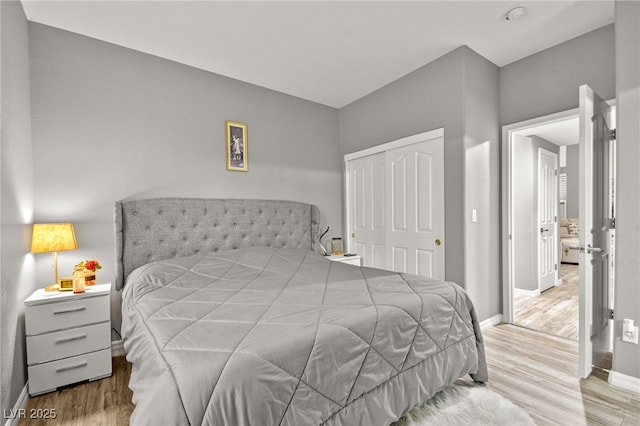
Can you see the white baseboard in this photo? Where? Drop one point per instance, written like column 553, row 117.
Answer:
column 117, row 348
column 17, row 412
column 490, row 322
column 620, row 380
column 528, row 293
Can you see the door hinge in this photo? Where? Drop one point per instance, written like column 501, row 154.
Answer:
column 612, row 223
column 610, row 312
column 556, row 266
column 613, row 134
column 555, row 218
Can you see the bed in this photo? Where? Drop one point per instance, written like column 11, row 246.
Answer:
column 230, row 317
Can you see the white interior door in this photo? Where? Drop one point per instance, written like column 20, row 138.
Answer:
column 595, row 224
column 367, row 211
column 547, row 219
column 415, row 208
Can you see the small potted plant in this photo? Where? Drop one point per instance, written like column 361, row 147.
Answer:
column 89, row 268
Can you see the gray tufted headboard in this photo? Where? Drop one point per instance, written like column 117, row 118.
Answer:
column 161, row 228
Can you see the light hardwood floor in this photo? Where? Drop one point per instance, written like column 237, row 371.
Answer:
column 555, row 311
column 539, row 372
column 535, row 370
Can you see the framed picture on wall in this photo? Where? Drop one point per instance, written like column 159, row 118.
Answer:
column 236, row 146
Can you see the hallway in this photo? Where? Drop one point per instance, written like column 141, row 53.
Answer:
column 555, row 311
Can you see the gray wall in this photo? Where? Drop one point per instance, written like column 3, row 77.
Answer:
column 626, row 356
column 525, row 218
column 524, row 261
column 458, row 91
column 110, row 123
column 482, row 183
column 573, row 180
column 548, row 81
column 426, row 99
column 16, row 198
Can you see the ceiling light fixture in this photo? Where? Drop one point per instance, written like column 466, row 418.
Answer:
column 515, row 13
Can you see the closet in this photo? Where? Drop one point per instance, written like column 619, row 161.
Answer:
column 395, row 205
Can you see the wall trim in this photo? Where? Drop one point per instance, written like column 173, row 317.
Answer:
column 398, row 143
column 620, row 380
column 491, row 321
column 409, row 140
column 117, row 348
column 20, row 405
column 527, row 293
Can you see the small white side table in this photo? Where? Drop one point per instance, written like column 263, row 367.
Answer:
column 68, row 337
column 350, row 260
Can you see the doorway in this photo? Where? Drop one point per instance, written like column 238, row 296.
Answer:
column 545, row 287
column 553, row 310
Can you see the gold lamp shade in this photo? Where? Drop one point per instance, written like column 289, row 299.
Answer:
column 52, row 238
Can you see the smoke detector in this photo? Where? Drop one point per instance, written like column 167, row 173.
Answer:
column 515, row 13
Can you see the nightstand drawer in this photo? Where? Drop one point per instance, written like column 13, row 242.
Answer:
column 67, row 314
column 51, row 375
column 63, row 344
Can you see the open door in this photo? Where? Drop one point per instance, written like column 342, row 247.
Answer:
column 595, row 224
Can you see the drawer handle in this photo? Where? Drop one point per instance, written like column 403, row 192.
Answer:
column 72, row 338
column 68, row 311
column 71, row 367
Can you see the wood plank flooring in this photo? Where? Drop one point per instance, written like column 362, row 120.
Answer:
column 535, row 370
column 555, row 311
column 104, row 402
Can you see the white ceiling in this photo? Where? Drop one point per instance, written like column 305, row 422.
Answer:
column 331, row 52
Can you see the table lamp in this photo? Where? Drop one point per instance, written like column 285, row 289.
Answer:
column 52, row 238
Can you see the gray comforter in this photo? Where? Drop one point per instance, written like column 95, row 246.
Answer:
column 261, row 336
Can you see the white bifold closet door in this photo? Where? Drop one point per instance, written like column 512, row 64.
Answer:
column 367, row 209
column 396, row 206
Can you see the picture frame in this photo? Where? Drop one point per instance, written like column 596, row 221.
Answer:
column 237, row 146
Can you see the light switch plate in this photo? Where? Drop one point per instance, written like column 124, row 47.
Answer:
column 633, row 338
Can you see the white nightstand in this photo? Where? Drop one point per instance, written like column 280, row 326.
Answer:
column 68, row 337
column 351, row 260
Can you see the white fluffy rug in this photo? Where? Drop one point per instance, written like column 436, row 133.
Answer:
column 467, row 405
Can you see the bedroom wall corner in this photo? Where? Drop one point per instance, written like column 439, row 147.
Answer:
column 547, row 82
column 426, row 99
column 16, row 198
column 133, row 125
column 458, row 91
column 482, row 183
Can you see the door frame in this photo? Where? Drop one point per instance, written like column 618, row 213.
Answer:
column 507, row 202
column 409, row 140
column 508, row 131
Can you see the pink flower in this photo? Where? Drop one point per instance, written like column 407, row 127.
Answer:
column 90, row 265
